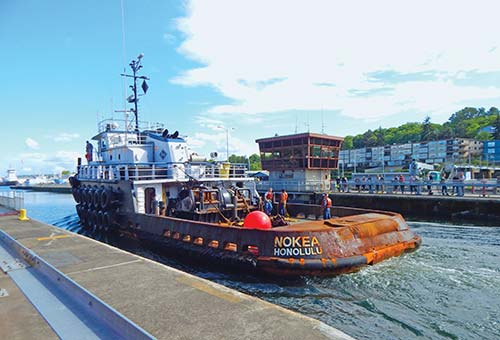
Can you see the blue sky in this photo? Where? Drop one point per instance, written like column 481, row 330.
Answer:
column 257, row 67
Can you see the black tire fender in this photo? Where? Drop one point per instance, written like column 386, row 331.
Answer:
column 106, row 198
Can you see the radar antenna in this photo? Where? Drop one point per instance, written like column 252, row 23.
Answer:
column 135, row 65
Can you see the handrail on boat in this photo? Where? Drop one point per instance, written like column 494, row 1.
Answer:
column 158, row 171
column 124, row 125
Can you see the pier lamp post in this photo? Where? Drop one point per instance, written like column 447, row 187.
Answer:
column 227, row 139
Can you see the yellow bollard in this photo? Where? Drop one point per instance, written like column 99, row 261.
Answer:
column 22, row 215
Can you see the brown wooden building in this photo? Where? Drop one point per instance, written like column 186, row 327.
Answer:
column 299, row 163
column 300, row 151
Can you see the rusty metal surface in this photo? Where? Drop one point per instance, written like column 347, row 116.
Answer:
column 317, row 247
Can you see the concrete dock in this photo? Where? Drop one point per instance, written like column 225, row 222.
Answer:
column 165, row 302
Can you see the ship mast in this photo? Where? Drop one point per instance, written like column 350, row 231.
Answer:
column 135, row 65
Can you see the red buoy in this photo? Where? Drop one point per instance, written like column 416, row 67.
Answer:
column 257, row 220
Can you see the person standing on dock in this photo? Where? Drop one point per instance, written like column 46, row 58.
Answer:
column 402, row 183
column 395, row 181
column 444, row 188
column 326, row 204
column 345, row 187
column 89, row 150
column 358, row 188
column 430, row 178
column 370, row 184
column 283, row 199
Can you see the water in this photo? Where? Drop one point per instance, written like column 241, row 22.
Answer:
column 448, row 289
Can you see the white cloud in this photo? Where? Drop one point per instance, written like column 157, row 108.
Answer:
column 210, row 142
column 275, row 56
column 64, row 137
column 42, row 163
column 31, row 143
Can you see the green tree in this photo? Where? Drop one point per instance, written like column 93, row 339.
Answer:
column 255, row 162
column 347, row 144
column 238, row 159
column 496, row 125
column 483, row 136
column 463, row 123
column 379, row 134
column 358, row 142
column 493, row 111
column 426, row 129
column 369, row 138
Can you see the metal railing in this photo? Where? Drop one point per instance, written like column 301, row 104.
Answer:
column 123, row 125
column 294, row 186
column 155, row 171
column 457, row 188
column 12, row 199
column 451, row 187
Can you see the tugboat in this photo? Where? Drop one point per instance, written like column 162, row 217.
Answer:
column 10, row 179
column 145, row 184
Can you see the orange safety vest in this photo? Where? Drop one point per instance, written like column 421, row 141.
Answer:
column 283, row 197
column 327, row 202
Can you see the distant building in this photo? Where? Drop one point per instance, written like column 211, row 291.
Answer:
column 489, row 129
column 300, row 162
column 491, row 151
column 455, row 150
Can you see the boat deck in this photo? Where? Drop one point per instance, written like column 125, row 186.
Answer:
column 339, row 222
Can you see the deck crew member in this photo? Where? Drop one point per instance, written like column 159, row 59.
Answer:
column 326, row 204
column 268, row 202
column 283, row 199
column 89, row 150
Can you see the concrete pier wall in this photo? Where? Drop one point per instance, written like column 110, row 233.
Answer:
column 456, row 210
column 461, row 210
